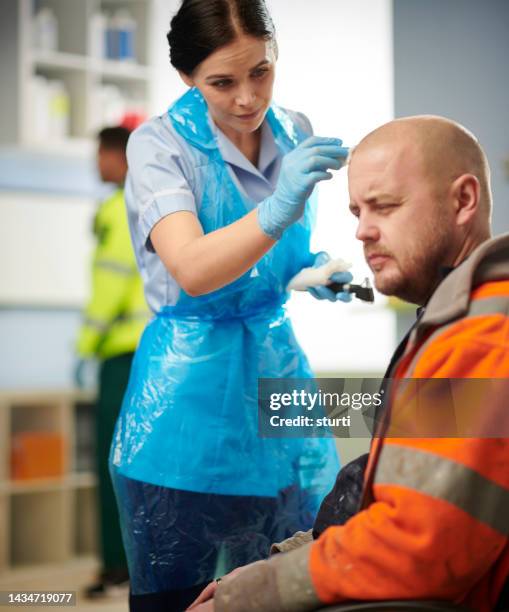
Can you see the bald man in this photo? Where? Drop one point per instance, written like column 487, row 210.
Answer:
column 434, row 519
column 420, row 189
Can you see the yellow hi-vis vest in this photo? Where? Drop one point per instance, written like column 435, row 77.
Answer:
column 117, row 312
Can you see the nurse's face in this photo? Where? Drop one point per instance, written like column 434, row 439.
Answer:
column 236, row 82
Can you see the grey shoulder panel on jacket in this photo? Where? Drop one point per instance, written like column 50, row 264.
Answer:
column 451, row 299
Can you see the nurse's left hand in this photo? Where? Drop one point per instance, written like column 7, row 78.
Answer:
column 322, row 292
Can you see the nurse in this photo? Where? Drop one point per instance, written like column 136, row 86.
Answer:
column 218, row 197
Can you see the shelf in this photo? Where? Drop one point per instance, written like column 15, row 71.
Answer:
column 56, row 60
column 70, row 92
column 38, row 577
column 54, row 104
column 128, row 71
column 45, row 521
column 40, row 485
column 83, row 480
column 45, row 396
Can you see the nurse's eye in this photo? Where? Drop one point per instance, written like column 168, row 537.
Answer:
column 222, row 83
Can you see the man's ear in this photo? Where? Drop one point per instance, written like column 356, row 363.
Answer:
column 466, row 193
column 188, row 80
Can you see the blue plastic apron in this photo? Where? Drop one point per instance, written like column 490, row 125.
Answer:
column 190, row 415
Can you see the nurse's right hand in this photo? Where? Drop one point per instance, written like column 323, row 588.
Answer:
column 301, row 169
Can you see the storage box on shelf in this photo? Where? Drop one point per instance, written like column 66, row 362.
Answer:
column 49, row 519
column 60, row 58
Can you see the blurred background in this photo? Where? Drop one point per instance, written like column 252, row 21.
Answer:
column 71, row 67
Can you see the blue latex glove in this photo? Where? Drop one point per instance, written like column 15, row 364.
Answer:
column 301, row 169
column 322, row 292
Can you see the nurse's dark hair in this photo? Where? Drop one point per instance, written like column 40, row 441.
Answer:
column 200, row 27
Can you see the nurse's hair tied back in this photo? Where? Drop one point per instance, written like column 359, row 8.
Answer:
column 200, row 27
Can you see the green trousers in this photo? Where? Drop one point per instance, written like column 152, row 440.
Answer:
column 113, row 379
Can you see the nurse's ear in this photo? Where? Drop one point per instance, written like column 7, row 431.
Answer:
column 188, row 80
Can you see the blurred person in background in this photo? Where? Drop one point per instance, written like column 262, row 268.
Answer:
column 113, row 322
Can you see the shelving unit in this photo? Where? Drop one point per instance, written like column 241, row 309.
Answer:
column 48, row 524
column 50, row 520
column 83, row 74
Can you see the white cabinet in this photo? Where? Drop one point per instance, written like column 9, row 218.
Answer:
column 69, row 67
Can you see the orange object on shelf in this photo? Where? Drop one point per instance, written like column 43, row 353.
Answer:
column 36, row 454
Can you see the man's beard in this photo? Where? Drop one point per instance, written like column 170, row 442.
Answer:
column 417, row 274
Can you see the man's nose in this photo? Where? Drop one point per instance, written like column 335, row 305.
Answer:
column 367, row 230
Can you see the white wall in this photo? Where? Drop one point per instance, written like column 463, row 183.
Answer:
column 167, row 86
column 335, row 65
column 469, row 41
column 36, row 230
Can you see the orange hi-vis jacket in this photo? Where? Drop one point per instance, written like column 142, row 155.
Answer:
column 435, row 519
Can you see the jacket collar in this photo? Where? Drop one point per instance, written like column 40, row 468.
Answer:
column 451, row 299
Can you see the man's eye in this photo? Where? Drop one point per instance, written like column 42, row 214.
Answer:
column 386, row 207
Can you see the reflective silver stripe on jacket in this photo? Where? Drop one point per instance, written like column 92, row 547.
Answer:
column 99, row 325
column 135, row 315
column 103, row 326
column 448, row 480
column 114, row 266
column 489, row 306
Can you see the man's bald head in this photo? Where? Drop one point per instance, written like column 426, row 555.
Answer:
column 446, row 148
column 420, row 189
